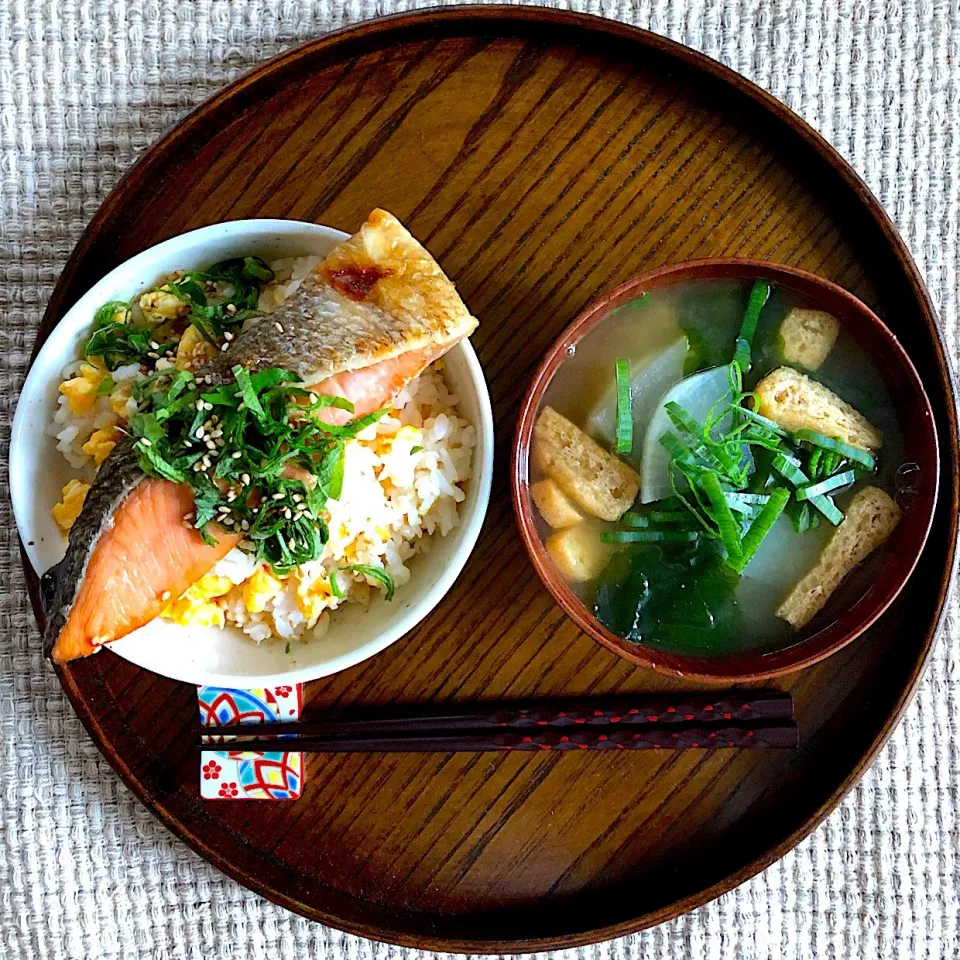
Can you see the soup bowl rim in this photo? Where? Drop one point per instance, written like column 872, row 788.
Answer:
column 740, row 666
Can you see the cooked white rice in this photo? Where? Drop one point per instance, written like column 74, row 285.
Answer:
column 403, row 482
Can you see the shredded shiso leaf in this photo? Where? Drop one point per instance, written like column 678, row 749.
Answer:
column 220, row 299
column 259, row 460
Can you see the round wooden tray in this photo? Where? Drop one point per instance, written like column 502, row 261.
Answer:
column 543, row 157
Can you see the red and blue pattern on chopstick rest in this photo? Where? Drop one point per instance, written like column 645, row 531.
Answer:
column 243, row 774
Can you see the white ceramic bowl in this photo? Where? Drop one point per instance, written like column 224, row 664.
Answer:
column 210, row 655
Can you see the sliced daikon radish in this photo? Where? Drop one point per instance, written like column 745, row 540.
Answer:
column 647, row 385
column 696, row 394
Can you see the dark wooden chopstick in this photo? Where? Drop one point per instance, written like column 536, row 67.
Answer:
column 679, row 737
column 638, row 721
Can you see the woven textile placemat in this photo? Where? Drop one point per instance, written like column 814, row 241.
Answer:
column 85, row 87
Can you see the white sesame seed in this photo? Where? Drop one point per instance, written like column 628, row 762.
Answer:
column 197, row 467
column 198, row 433
column 297, row 498
column 298, row 515
column 223, row 349
column 228, row 521
column 154, row 344
column 244, row 525
column 210, row 445
column 153, row 355
column 278, row 325
column 227, row 335
column 231, row 308
column 244, row 478
column 165, row 596
column 145, row 442
column 217, row 433
column 237, row 454
column 220, row 442
column 278, row 496
column 292, row 544
column 288, row 513
column 199, row 404
column 314, row 398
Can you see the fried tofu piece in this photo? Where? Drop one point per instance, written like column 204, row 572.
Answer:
column 870, row 519
column 554, row 505
column 808, row 336
column 796, row 402
column 595, row 480
column 578, row 552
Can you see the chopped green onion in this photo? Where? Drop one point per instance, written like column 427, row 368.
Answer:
column 727, row 527
column 763, row 421
column 632, row 519
column 835, row 446
column 760, row 527
column 813, row 464
column 829, row 485
column 745, row 503
column 648, row 536
column 415, row 449
column 624, row 408
column 789, row 468
column 828, row 508
column 828, row 464
column 669, row 516
column 758, row 297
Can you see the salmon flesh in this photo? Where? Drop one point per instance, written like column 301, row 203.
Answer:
column 368, row 320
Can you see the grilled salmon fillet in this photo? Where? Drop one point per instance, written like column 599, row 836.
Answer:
column 370, row 318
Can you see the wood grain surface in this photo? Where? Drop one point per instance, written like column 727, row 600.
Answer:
column 543, row 157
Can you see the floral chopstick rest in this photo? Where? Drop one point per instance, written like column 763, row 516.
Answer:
column 242, row 774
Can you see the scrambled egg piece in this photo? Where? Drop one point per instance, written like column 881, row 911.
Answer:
column 196, row 613
column 313, row 598
column 118, row 399
column 260, row 589
column 66, row 512
column 198, row 606
column 209, row 587
column 408, row 434
column 158, row 305
column 81, row 390
column 194, row 350
column 101, row 442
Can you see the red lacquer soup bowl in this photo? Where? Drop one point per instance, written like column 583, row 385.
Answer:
column 916, row 483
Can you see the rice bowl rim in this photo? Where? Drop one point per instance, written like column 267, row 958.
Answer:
column 31, row 446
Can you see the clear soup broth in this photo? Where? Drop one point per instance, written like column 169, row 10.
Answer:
column 737, row 539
